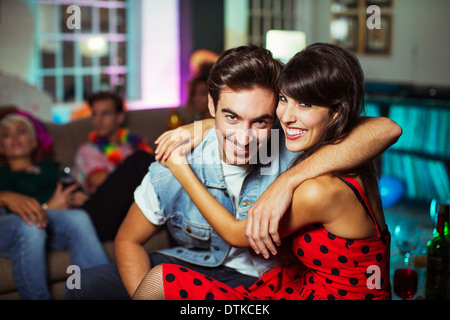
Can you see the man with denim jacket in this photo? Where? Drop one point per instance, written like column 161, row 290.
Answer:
column 243, row 98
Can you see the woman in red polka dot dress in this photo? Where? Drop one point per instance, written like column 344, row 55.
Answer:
column 334, row 228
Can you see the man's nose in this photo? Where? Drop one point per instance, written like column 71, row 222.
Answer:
column 244, row 136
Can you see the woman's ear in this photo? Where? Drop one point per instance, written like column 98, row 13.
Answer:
column 34, row 143
column 211, row 107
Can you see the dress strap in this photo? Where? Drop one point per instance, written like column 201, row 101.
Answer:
column 359, row 192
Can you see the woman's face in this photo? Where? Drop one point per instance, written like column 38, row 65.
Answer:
column 302, row 123
column 16, row 141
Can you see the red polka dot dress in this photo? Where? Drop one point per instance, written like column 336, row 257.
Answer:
column 330, row 268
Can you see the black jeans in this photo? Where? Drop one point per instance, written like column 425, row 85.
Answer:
column 104, row 282
column 109, row 205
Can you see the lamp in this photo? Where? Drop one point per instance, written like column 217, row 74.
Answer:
column 284, row 44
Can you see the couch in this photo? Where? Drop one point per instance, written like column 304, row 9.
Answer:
column 149, row 124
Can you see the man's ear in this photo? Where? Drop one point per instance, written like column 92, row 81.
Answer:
column 121, row 118
column 211, row 107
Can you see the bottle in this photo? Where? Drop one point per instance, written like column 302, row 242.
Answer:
column 446, row 208
column 437, row 258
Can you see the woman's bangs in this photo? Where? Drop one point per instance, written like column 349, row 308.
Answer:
column 302, row 86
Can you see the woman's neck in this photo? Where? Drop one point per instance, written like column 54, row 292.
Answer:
column 20, row 164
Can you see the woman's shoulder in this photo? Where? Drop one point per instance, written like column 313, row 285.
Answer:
column 324, row 185
column 321, row 193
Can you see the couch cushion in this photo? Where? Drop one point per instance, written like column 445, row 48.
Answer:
column 148, row 124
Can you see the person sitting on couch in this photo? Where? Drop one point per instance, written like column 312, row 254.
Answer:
column 109, row 143
column 35, row 213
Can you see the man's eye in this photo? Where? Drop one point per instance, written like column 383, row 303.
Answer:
column 261, row 124
column 282, row 98
column 231, row 118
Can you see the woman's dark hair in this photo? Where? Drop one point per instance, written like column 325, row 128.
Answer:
column 327, row 75
column 244, row 68
column 107, row 95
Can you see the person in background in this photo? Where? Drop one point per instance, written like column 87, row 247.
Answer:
column 109, row 143
column 36, row 214
column 197, row 104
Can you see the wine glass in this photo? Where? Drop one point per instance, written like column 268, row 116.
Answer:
column 405, row 283
column 407, row 239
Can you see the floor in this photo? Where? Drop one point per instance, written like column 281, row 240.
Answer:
column 416, row 213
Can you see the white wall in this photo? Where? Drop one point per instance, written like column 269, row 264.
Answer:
column 160, row 59
column 420, row 41
column 16, row 38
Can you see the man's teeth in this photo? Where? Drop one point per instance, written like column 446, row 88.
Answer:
column 239, row 148
column 294, row 132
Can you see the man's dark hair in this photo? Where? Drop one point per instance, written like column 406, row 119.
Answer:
column 107, row 95
column 244, row 68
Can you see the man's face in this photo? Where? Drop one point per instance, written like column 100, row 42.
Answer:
column 105, row 119
column 243, row 122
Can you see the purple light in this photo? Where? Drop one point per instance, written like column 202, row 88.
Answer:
column 160, row 62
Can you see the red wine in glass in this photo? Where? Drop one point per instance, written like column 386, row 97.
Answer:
column 405, row 283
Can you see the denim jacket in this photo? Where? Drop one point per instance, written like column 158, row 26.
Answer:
column 198, row 242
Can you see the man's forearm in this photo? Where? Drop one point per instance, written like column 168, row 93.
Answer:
column 133, row 263
column 132, row 259
column 365, row 142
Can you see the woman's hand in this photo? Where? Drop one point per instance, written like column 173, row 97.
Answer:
column 187, row 137
column 61, row 198
column 175, row 159
column 26, row 207
column 264, row 217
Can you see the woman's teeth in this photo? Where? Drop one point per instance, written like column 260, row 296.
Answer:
column 295, row 132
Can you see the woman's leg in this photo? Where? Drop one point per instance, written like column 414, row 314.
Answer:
column 152, row 286
column 73, row 230
column 25, row 245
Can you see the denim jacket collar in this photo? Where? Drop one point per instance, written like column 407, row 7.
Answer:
column 206, row 160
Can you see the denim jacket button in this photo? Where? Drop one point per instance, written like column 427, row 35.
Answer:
column 206, row 258
column 246, row 203
column 188, row 229
column 216, row 248
column 227, row 194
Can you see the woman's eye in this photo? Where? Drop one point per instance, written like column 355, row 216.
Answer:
column 304, row 105
column 282, row 98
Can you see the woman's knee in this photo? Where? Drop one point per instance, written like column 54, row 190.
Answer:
column 30, row 234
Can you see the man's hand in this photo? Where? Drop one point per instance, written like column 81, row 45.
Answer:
column 78, row 198
column 26, row 207
column 264, row 217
